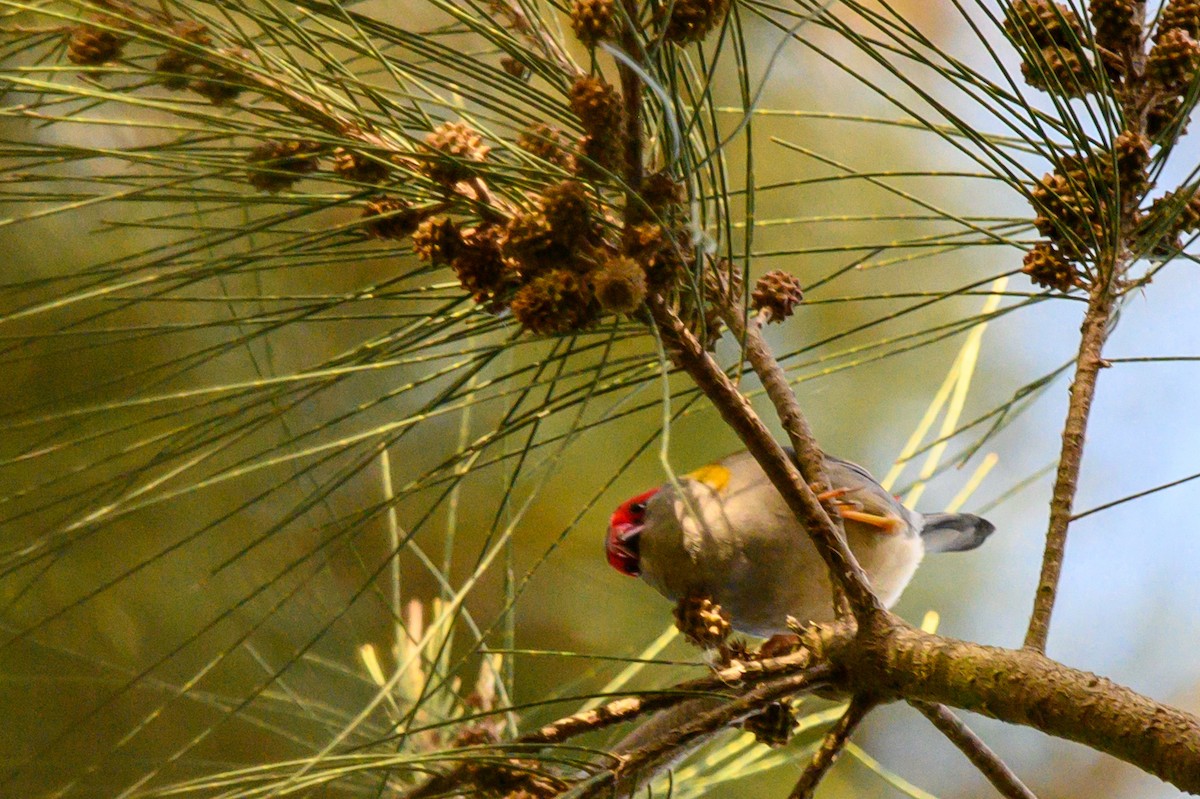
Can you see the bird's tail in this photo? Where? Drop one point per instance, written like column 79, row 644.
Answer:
column 954, row 532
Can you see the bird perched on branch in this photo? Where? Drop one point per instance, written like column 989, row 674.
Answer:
column 724, row 532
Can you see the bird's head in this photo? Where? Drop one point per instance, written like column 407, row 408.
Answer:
column 624, row 528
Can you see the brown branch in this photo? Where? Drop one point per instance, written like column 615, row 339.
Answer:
column 1083, row 388
column 831, row 747
column 1024, row 687
column 735, row 409
column 979, row 753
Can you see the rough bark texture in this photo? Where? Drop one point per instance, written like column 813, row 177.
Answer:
column 1025, row 687
column 1083, row 389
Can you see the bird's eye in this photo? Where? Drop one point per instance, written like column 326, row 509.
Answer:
column 638, row 508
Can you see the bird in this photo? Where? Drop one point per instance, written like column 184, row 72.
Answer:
column 723, row 532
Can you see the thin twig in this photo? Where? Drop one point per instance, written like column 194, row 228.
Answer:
column 642, row 764
column 1083, row 388
column 831, row 747
column 981, row 756
column 715, row 685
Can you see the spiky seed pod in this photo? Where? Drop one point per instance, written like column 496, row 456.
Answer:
column 1042, row 23
column 391, row 218
column 773, row 725
column 276, row 165
column 598, row 106
column 692, row 20
column 1066, row 205
column 1182, row 212
column 598, row 158
column 1132, row 154
column 528, row 241
column 216, row 84
column 1061, row 72
column 1047, row 268
column 1179, row 15
column 556, row 302
column 480, row 268
column 547, row 143
column 569, row 212
column 594, row 20
column 89, row 46
column 437, row 240
column 661, row 189
column 176, row 67
column 357, row 167
column 643, row 241
column 1173, row 62
column 1118, row 23
column 702, row 621
column 456, row 149
column 664, row 256
column 777, row 293
column 518, row 69
column 620, row 285
column 1163, row 115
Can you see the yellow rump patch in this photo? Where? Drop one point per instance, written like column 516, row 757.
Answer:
column 713, row 475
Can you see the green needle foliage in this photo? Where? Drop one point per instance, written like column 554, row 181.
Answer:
column 320, row 299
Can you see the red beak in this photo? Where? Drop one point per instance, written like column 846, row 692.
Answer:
column 622, row 547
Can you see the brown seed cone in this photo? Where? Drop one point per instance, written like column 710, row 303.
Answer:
column 177, row 67
column 778, row 293
column 773, row 725
column 1061, row 72
column 391, row 218
column 1132, row 151
column 528, row 241
column 1163, row 115
column 1179, row 15
column 1174, row 60
column 1047, row 267
column 556, row 302
column 1041, row 23
column 598, row 158
column 357, row 167
column 598, row 106
column 437, row 240
column 456, row 148
column 89, row 46
column 670, row 262
column 594, row 20
column 1118, row 23
column 692, row 20
column 1184, row 214
column 661, row 189
column 547, row 143
column 518, row 69
column 276, row 165
column 480, row 268
column 619, row 284
column 643, row 241
column 1066, row 208
column 216, row 84
column 702, row 621
column 570, row 213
